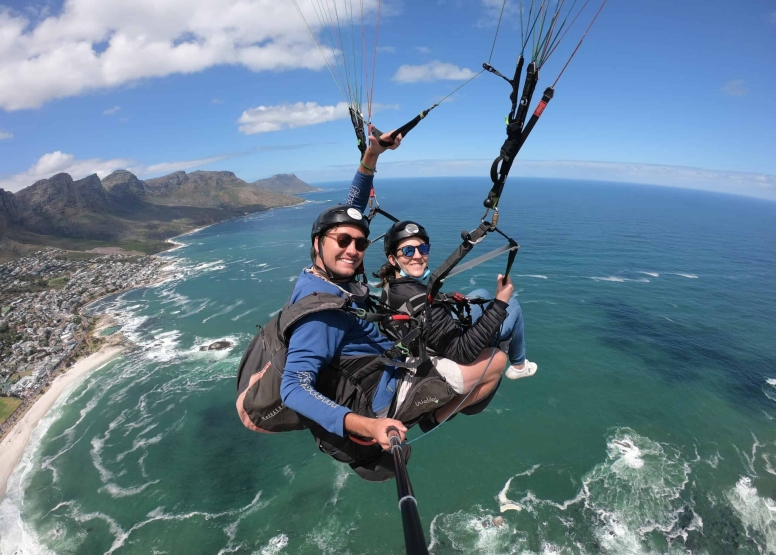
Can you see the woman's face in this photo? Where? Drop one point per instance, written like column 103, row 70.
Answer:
column 415, row 264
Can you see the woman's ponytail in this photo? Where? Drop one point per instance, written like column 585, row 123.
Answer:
column 385, row 274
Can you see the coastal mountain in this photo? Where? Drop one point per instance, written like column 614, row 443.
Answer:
column 209, row 189
column 286, row 183
column 122, row 210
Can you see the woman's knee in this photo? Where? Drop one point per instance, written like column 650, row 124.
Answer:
column 497, row 361
column 481, row 293
column 514, row 307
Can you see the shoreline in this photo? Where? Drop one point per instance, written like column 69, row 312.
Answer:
column 16, row 441
column 177, row 244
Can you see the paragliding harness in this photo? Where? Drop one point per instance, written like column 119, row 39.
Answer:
column 347, row 381
column 410, row 298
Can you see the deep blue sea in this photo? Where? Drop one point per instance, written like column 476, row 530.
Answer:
column 648, row 429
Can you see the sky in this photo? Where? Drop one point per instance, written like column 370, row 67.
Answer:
column 662, row 92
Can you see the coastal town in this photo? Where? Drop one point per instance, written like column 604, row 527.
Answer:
column 42, row 326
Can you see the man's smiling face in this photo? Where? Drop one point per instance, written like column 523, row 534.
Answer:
column 341, row 261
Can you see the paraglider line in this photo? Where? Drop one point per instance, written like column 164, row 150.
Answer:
column 492, row 48
column 579, row 44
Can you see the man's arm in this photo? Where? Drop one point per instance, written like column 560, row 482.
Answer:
column 361, row 186
column 313, row 344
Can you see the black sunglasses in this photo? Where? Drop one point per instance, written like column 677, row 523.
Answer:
column 409, row 250
column 344, row 240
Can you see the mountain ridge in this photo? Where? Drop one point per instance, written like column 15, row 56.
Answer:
column 287, row 183
column 124, row 211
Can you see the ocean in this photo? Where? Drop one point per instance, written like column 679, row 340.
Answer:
column 648, row 429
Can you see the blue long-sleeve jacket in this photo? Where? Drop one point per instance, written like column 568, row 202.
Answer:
column 318, row 338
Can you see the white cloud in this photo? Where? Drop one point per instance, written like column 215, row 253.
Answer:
column 264, row 119
column 216, row 101
column 5, row 135
column 111, row 111
column 493, row 11
column 736, row 87
column 432, row 71
column 388, row 49
column 423, row 49
column 164, row 168
column 103, row 44
column 59, row 162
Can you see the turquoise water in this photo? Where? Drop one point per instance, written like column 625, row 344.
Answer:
column 648, row 428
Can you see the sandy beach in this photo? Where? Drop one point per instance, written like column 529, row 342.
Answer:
column 13, row 446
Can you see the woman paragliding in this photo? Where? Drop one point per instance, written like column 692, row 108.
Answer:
column 460, row 331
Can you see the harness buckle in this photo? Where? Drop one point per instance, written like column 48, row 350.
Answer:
column 402, row 349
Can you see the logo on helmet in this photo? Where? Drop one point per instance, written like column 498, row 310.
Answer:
column 355, row 214
column 411, row 228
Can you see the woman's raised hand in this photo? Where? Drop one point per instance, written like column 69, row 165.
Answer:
column 504, row 290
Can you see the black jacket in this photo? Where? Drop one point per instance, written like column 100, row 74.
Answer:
column 445, row 335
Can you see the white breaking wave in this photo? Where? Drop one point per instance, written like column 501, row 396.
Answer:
column 234, row 319
column 474, row 531
column 537, row 276
column 689, row 276
column 619, row 279
column 770, row 389
column 197, row 310
column 758, row 513
column 227, row 310
column 653, row 274
column 116, row 491
column 339, row 482
column 209, row 266
column 16, row 536
column 288, row 473
column 634, row 493
column 504, row 503
column 275, row 545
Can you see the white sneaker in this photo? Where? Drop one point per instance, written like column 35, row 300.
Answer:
column 529, row 369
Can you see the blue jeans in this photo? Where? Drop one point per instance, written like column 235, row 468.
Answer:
column 511, row 329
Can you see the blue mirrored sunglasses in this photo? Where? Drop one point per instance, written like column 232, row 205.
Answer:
column 409, row 250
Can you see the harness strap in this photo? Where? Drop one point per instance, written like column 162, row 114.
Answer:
column 469, row 240
column 388, row 357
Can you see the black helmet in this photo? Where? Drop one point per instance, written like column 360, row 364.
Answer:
column 337, row 215
column 400, row 231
